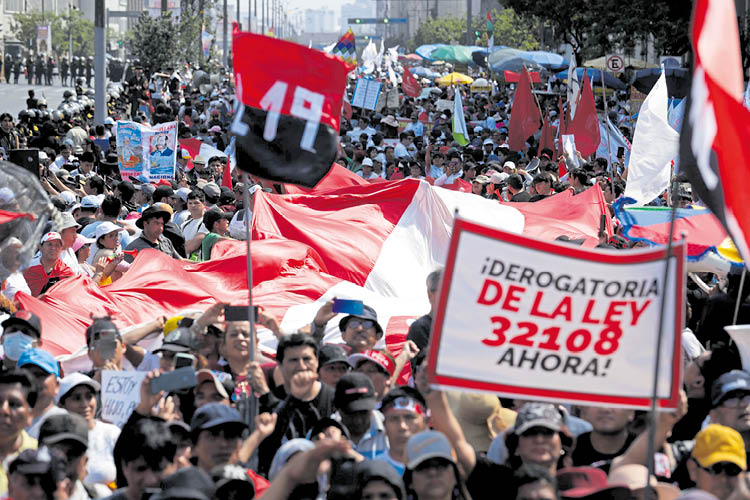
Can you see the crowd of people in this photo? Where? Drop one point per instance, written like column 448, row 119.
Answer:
column 337, row 420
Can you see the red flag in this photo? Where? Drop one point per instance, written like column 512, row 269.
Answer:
column 226, row 177
column 585, row 126
column 547, row 140
column 525, row 114
column 562, row 169
column 287, row 125
column 511, row 77
column 410, row 85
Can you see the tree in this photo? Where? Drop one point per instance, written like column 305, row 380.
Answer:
column 153, row 41
column 596, row 27
column 25, row 25
column 509, row 29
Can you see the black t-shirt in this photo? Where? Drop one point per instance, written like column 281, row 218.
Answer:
column 523, row 196
column 585, row 454
column 488, row 479
column 419, row 331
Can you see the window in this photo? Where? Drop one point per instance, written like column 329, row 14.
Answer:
column 14, row 5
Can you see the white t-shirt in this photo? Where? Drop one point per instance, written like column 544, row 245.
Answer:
column 101, row 464
column 14, row 284
column 192, row 227
column 68, row 256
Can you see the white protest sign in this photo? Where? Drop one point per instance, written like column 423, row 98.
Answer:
column 533, row 319
column 741, row 336
column 569, row 146
column 121, row 393
column 443, row 104
column 366, row 93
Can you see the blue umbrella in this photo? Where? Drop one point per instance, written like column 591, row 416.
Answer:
column 549, row 60
column 426, row 50
column 596, row 78
column 678, row 80
column 424, row 72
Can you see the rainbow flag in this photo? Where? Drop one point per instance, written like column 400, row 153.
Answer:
column 346, row 48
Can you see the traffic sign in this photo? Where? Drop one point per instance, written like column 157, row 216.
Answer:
column 615, row 63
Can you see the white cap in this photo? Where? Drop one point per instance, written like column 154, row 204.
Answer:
column 43, row 155
column 367, row 161
column 109, row 121
column 487, row 141
column 498, row 178
column 68, row 197
column 106, row 228
column 90, row 201
column 183, row 193
column 51, row 236
column 509, row 164
column 70, row 382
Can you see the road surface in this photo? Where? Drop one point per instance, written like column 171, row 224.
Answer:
column 13, row 97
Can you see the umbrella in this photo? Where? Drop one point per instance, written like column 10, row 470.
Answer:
column 678, row 80
column 630, row 62
column 596, row 78
column 456, row 54
column 454, row 78
column 426, row 50
column 511, row 60
column 424, row 72
column 549, row 60
column 413, row 57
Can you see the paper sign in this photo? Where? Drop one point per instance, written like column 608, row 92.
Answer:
column 366, row 93
column 533, row 319
column 443, row 104
column 741, row 336
column 392, row 98
column 121, row 393
column 146, row 153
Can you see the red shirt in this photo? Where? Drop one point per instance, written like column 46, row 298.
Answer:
column 37, row 279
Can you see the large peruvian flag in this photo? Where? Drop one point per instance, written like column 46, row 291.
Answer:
column 715, row 136
column 288, row 121
column 375, row 242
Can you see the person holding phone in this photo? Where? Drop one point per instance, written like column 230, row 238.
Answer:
column 359, row 329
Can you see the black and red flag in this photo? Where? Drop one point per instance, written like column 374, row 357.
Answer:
column 715, row 136
column 290, row 105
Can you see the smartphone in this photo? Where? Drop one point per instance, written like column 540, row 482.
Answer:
column 106, row 348
column 181, row 360
column 238, row 313
column 621, row 151
column 348, row 306
column 178, row 379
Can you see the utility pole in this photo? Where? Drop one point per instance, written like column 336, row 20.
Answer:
column 100, row 102
column 263, row 16
column 468, row 23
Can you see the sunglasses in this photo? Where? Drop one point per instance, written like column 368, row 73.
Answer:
column 538, row 431
column 433, row 463
column 719, row 468
column 364, row 323
column 737, row 402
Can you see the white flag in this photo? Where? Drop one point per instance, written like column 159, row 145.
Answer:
column 369, row 56
column 573, row 86
column 655, row 144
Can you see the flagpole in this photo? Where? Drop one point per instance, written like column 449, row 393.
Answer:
column 250, row 405
column 739, row 296
column 657, row 364
column 606, row 118
column 536, row 100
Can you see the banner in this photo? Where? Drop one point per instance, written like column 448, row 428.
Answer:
column 526, row 318
column 146, row 153
column 121, row 393
column 366, row 93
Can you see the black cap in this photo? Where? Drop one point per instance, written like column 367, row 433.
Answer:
column 331, row 353
column 735, row 381
column 326, row 422
column 401, row 392
column 64, row 427
column 369, row 470
column 355, row 392
column 178, row 340
column 232, row 481
column 163, row 192
column 367, row 313
column 37, row 462
column 188, row 483
column 99, row 326
column 26, row 318
column 152, row 212
column 214, row 415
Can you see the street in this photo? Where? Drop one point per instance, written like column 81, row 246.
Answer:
column 13, row 97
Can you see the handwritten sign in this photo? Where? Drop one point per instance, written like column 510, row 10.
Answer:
column 533, row 319
column 121, row 393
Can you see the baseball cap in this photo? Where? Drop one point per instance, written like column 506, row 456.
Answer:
column 377, row 357
column 68, row 197
column 367, row 313
column 537, row 415
column 426, row 445
column 208, row 375
column 370, row 470
column 185, row 154
column 499, row 178
column 355, row 392
column 148, row 189
column 404, row 398
column 51, row 236
column 326, row 422
column 163, row 192
column 487, row 141
column 25, row 318
column 232, row 478
column 81, row 241
column 90, row 201
column 509, row 164
column 172, row 324
column 64, row 427
column 367, row 161
column 187, row 483
column 107, row 227
column 38, row 462
column 732, row 381
column 109, row 121
column 42, row 359
column 68, row 221
column 332, row 353
column 211, row 189
column 214, row 415
column 718, row 443
column 481, row 179
column 178, row 340
column 70, row 382
column 183, row 193
column 99, row 326
column 588, row 482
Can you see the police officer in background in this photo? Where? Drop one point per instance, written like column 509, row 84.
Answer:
column 73, row 69
column 64, row 71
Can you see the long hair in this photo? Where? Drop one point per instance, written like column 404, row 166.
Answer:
column 511, row 443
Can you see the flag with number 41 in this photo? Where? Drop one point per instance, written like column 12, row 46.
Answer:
column 289, row 106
